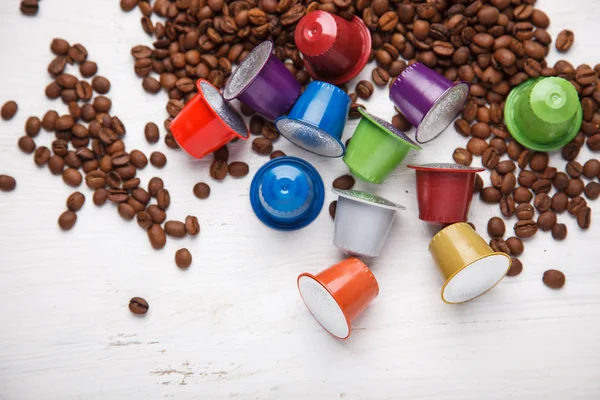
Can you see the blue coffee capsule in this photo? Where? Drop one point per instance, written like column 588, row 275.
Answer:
column 317, row 120
column 287, row 193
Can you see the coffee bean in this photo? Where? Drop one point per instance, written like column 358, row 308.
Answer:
column 564, row 40
column 67, row 220
column 59, row 47
column 522, row 195
column 175, row 228
column 33, row 126
column 344, row 182
column 481, row 130
column 29, row 7
column 138, row 159
column 78, row 53
column 158, row 159
column 158, row 216
column 559, row 202
column 478, row 184
column 364, row 89
column 136, row 205
column 516, row 267
column 100, row 84
column 154, row 186
column 26, row 144
column 462, row 127
column 157, row 237
column 163, row 199
column 192, row 226
column 201, row 190
column 279, row 153
column 570, row 151
column 75, row 201
column 56, row 164
column 554, row 279
column 100, row 196
column 499, row 245
column 256, row 124
column 542, row 202
column 515, row 246
column 41, row 155
column 144, row 220
column 574, row 188
column 584, row 217
column 9, row 109
column 525, row 211
column 546, row 220
column 525, row 228
column 490, row 195
column 507, row 206
column 151, row 132
column 139, row 306
column 559, row 231
column 238, row 169
column 126, row 211
column 496, row 227
column 221, row 154
column 505, row 167
column 592, row 190
column 117, row 195
column 574, row 169
column 462, row 156
column 183, row 258
column 332, row 208
column 218, row 169
column 269, row 131
column 514, row 149
column 141, row 195
column 508, row 183
column 477, row 146
column 542, row 186
column 496, row 179
column 380, row 76
column 262, row 146
column 591, row 169
column 7, row 183
column 94, row 179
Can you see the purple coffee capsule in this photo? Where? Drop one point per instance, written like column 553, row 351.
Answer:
column 427, row 99
column 263, row 83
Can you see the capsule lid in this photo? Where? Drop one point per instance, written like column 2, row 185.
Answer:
column 309, row 137
column 367, row 198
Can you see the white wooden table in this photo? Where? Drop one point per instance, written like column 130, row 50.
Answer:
column 233, row 325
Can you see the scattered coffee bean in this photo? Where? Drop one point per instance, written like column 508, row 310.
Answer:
column 126, row 211
column 495, row 227
column 33, row 126
column 559, row 202
column 201, row 190
column 499, row 245
column 332, row 208
column 262, row 146
column 192, row 226
column 139, row 306
column 591, row 168
column 542, row 202
column 462, row 156
column 559, row 231
column 592, row 190
column 219, row 169
column 546, row 220
column 522, row 195
column 7, row 183
column 144, row 220
column 564, row 40
column 507, row 206
column 575, row 188
column 175, row 228
column 554, row 279
column 72, row 177
column 163, row 199
column 158, row 216
column 490, row 195
column 238, row 169
column 157, row 237
column 183, row 258
column 100, row 196
column 525, row 228
column 75, row 201
column 584, row 218
column 344, row 182
column 67, row 220
column 525, row 211
column 158, row 159
column 155, row 185
column 516, row 267
column 26, row 144
column 574, row 169
column 279, row 153
column 515, row 245
column 151, row 132
column 364, row 89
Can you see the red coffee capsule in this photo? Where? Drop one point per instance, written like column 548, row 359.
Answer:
column 335, row 50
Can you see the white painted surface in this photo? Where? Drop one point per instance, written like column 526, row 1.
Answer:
column 233, row 325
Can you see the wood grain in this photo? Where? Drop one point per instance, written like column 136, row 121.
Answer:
column 233, row 325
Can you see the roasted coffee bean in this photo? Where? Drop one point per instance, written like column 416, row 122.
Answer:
column 400, row 122
column 508, row 183
column 78, row 53
column 269, row 131
column 546, row 220
column 524, row 158
column 570, row 151
column 56, row 164
column 183, row 258
column 157, row 237
column 221, row 154
column 462, row 156
column 542, row 186
column 561, row 181
column 100, row 84
column 75, row 201
column 100, row 196
column 256, row 124
column 33, row 126
column 514, row 149
column 59, row 47
column 542, row 202
column 158, row 216
column 137, row 305
column 498, row 244
column 151, row 85
column 499, row 145
column 332, row 208
column 515, row 246
column 175, row 229
column 126, row 172
column 505, row 167
column 238, row 169
column 262, row 146
column 192, row 226
column 560, row 202
column 201, row 190
column 95, row 179
column 574, row 188
column 490, row 195
column 507, row 206
column 7, row 183
column 538, row 161
column 462, row 127
column 564, row 40
column 559, row 231
column 102, row 104
column 154, row 186
column 364, row 89
column 67, row 220
column 151, row 132
column 478, row 184
column 575, row 205
column 344, row 182
column 117, row 195
column 219, row 169
column 496, row 179
column 26, row 144
column 144, row 220
column 490, row 158
column 41, row 155
column 477, row 146
column 554, row 279
column 591, row 169
column 136, row 205
column 131, row 183
column 88, row 69
column 522, row 195
column 279, row 153
column 527, row 178
column 525, row 211
column 574, row 169
column 584, row 218
column 126, row 211
column 158, row 159
column 481, row 130
column 593, row 142
column 592, row 190
column 57, row 66
column 525, row 228
column 380, row 76
column 163, row 199
column 495, row 227
column 141, row 195
column 138, row 159
column 516, row 267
